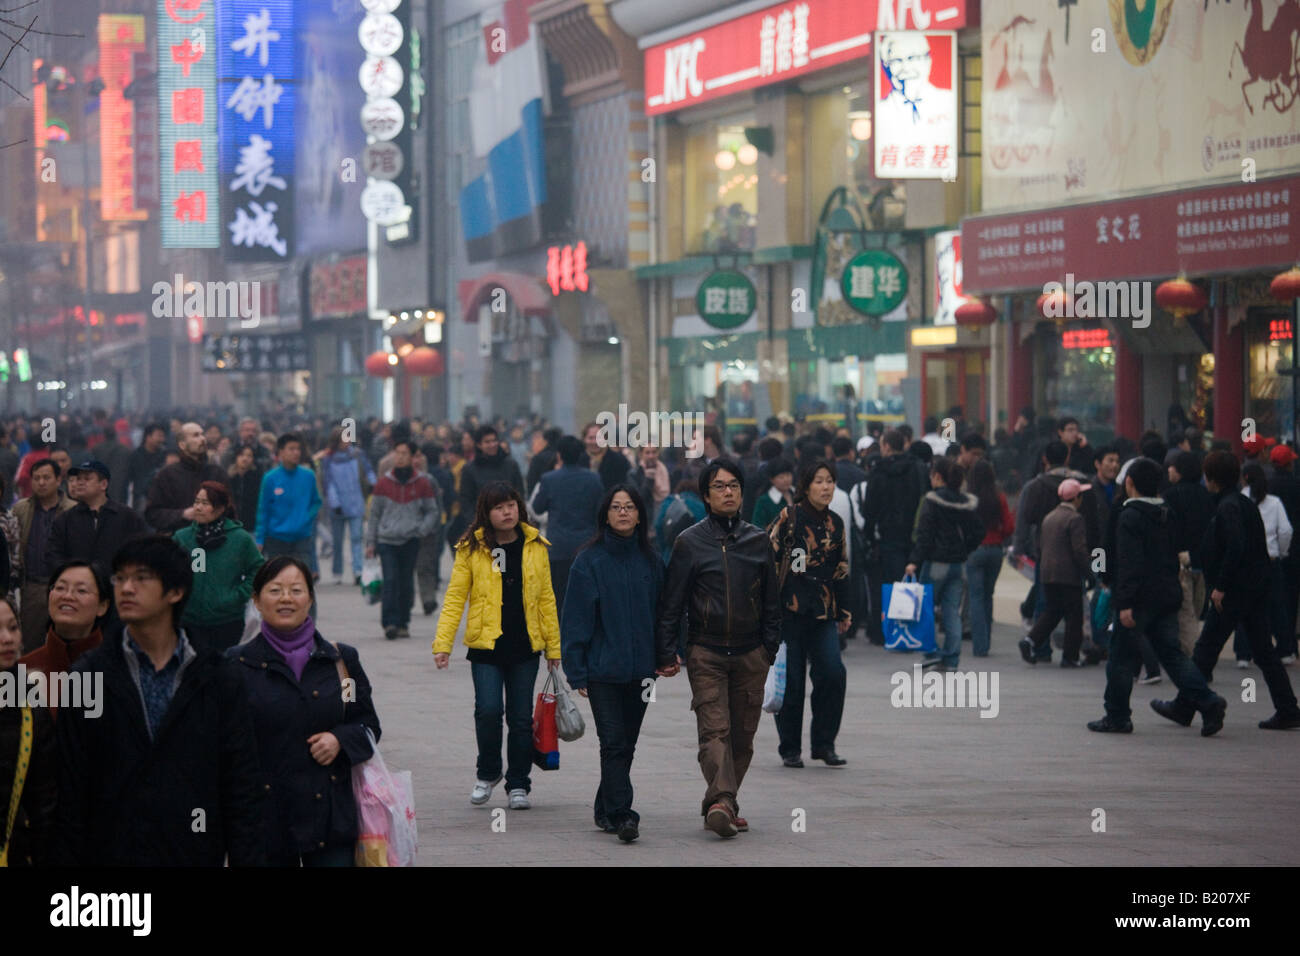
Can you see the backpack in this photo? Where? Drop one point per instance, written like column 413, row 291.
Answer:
column 676, row 519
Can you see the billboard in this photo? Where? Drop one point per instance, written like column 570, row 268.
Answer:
column 916, row 105
column 187, row 105
column 121, row 38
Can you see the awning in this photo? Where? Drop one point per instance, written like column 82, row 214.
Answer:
column 528, row 294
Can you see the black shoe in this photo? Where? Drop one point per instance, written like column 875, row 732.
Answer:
column 390, row 633
column 1278, row 722
column 1027, row 650
column 605, row 825
column 1212, row 717
column 1108, row 725
column 795, row 762
column 965, row 635
column 1066, row 662
column 1171, row 711
column 356, row 580
column 430, row 607
column 933, row 664
column 831, row 758
column 628, row 831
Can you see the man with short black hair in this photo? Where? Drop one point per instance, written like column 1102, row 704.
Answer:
column 847, row 472
column 288, row 504
column 889, row 506
column 35, row 517
column 490, row 463
column 1080, row 456
column 97, row 526
column 571, row 495
column 1192, row 507
column 973, row 448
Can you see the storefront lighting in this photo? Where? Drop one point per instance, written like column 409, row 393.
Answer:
column 747, row 154
column 613, row 340
column 725, row 160
column 405, row 316
column 393, row 359
column 419, row 313
column 860, row 126
column 404, row 351
column 432, row 333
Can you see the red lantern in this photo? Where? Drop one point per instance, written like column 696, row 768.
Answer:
column 424, row 362
column 1057, row 301
column 975, row 312
column 381, row 364
column 1181, row 298
column 1285, row 286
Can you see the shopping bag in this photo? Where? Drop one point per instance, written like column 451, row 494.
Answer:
column 546, row 744
column 372, row 580
column 909, row 635
column 774, row 688
column 1101, row 613
column 904, row 602
column 569, row 724
column 386, row 831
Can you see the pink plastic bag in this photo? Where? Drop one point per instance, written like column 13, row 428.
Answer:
column 386, row 831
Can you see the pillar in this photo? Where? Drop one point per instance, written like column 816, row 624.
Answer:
column 1128, row 390
column 1229, row 384
column 1020, row 370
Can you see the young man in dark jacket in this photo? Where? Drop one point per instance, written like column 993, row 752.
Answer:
column 571, row 495
column 96, row 526
column 721, row 581
column 1147, row 595
column 167, row 774
column 1191, row 508
column 1237, row 579
column 491, row 463
column 889, row 506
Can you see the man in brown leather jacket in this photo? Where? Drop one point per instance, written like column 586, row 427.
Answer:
column 722, row 580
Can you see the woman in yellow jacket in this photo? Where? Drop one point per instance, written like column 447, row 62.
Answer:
column 503, row 572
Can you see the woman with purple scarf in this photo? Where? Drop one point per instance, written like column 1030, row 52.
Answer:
column 312, row 706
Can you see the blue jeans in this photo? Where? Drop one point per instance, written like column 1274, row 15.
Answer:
column 618, row 710
column 398, row 561
column 303, row 549
column 1122, row 664
column 810, row 641
column 337, row 524
column 982, row 569
column 515, row 684
column 946, row 579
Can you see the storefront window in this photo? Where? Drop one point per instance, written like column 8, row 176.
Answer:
column 721, row 188
column 1078, row 377
column 840, row 153
column 849, row 391
column 1268, row 352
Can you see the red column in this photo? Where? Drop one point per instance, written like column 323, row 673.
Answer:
column 1229, row 381
column 1020, row 368
column 1128, row 390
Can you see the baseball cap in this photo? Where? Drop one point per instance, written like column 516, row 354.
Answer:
column 1282, row 455
column 98, row 467
column 1253, row 445
column 865, row 442
column 1070, row 489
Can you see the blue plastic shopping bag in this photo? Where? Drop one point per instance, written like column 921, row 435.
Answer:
column 904, row 635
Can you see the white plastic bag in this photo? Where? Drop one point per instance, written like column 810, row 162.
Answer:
column 905, row 601
column 252, row 622
column 774, row 688
column 386, row 830
column 372, row 580
column 569, row 724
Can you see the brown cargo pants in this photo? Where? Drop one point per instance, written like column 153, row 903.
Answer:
column 727, row 697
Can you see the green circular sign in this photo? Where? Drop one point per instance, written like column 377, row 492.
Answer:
column 874, row 282
column 726, row 299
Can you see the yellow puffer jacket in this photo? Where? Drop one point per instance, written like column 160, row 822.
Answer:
column 473, row 578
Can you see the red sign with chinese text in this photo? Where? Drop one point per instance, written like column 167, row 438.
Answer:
column 337, row 290
column 566, row 268
column 121, row 38
column 1085, row 339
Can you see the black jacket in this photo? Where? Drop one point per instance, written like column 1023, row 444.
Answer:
column 32, row 826
column 1286, row 486
column 613, row 469
column 118, row 459
column 480, row 471
column 128, row 800
column 540, row 464
column 894, row 491
column 245, row 490
column 847, row 474
column 141, row 468
column 1145, row 558
column 1192, row 506
column 308, row 806
column 1039, row 497
column 948, row 529
column 173, row 490
column 1235, row 549
column 721, row 577
column 91, row 535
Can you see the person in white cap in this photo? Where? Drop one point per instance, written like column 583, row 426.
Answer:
column 1063, row 569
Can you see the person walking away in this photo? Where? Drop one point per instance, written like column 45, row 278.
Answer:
column 313, row 717
column 947, row 532
column 145, row 462
column 889, row 507
column 809, row 549
column 28, row 761
column 848, row 474
column 1191, row 508
column 607, row 642
column 428, row 563
column 503, row 576
column 571, row 496
column 985, row 562
column 287, row 504
column 606, row 462
column 679, row 511
column 214, row 613
column 1063, row 566
column 721, row 579
column 403, row 509
column 35, row 517
column 1147, row 594
column 348, row 479
column 171, row 493
column 1278, row 530
column 175, row 735
column 1286, row 487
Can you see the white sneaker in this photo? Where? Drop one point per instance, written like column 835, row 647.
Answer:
column 519, row 800
column 1242, row 665
column 482, row 791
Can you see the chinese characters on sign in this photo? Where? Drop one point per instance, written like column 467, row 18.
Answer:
column 726, row 299
column 916, row 105
column 189, row 209
column 258, row 91
column 566, row 268
column 337, row 290
column 385, row 35
column 121, row 37
column 874, row 282
column 254, row 353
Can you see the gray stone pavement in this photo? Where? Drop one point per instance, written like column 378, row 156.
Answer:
column 922, row 786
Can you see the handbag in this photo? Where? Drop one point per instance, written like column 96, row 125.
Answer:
column 906, row 635
column 569, row 725
column 386, row 829
column 20, row 778
column 905, row 599
column 546, row 745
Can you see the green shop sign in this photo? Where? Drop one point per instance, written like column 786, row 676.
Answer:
column 726, row 299
column 874, row 282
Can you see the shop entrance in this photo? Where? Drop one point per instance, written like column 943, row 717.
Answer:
column 955, row 377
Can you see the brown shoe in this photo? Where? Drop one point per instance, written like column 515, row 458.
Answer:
column 721, row 821
column 742, row 824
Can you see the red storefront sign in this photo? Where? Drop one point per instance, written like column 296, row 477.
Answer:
column 121, row 38
column 337, row 290
column 1213, row 230
column 1085, row 339
column 779, row 43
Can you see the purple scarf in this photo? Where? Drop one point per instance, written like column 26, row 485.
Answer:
column 294, row 646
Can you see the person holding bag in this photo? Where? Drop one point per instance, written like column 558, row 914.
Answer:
column 607, row 639
column 808, row 541
column 503, row 574
column 310, row 719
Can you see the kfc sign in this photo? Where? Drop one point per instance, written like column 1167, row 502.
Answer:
column 778, row 43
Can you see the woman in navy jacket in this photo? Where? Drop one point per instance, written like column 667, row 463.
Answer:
column 607, row 636
column 311, row 707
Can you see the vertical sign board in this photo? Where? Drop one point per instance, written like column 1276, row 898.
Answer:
column 145, row 124
column 121, row 37
column 256, row 92
column 189, row 210
column 916, row 105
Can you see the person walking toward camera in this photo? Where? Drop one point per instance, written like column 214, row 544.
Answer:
column 608, row 644
column 403, row 509
column 503, row 576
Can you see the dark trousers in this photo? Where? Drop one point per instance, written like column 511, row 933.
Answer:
column 1060, row 601
column 331, row 856
column 1286, row 646
column 559, row 581
column 618, row 710
column 1280, row 622
column 398, row 561
column 1252, row 614
column 426, row 567
column 1122, row 664
column 217, row 637
column 809, row 641
column 515, row 685
column 886, row 567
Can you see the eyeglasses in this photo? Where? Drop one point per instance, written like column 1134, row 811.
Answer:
column 80, row 593
column 724, row 486
column 275, row 592
column 623, row 509
column 139, row 579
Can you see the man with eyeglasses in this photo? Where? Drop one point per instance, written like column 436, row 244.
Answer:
column 721, row 585
column 167, row 774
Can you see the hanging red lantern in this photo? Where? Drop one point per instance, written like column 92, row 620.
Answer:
column 975, row 312
column 381, row 364
column 1285, row 286
column 423, row 361
column 1056, row 302
column 1181, row 297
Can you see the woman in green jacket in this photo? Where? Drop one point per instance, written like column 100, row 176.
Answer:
column 225, row 559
